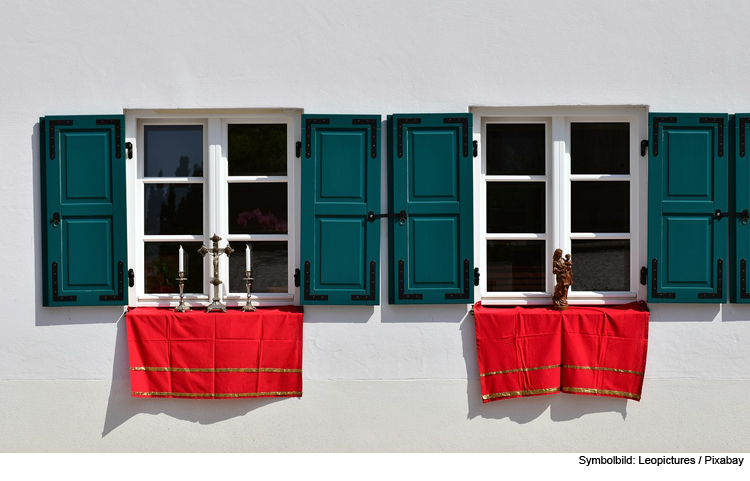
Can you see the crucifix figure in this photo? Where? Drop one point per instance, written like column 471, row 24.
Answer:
column 216, row 305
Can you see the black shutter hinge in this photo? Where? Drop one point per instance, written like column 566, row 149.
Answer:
column 644, row 148
column 296, row 277
column 476, row 148
column 644, row 276
column 476, row 276
column 129, row 148
column 298, row 149
column 719, row 283
column 131, row 278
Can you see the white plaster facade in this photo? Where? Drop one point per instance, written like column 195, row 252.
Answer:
column 388, row 378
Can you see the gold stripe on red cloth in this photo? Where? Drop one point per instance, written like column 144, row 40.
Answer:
column 532, row 392
column 217, row 395
column 604, row 392
column 218, row 369
column 611, row 369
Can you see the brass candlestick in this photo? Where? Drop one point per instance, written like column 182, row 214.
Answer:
column 182, row 307
column 216, row 305
column 248, row 283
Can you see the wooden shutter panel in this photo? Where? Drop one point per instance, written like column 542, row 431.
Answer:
column 340, row 247
column 739, row 232
column 430, row 174
column 84, row 221
column 687, row 240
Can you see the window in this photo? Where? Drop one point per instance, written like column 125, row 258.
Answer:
column 560, row 178
column 228, row 174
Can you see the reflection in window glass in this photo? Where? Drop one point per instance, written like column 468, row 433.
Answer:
column 257, row 149
column 173, row 151
column 270, row 267
column 258, row 208
column 514, row 265
column 514, row 207
column 515, row 149
column 601, row 265
column 600, row 148
column 173, row 209
column 161, row 264
column 600, row 206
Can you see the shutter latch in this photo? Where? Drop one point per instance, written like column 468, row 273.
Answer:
column 745, row 215
column 131, row 277
column 476, row 276
column 371, row 216
column 644, row 147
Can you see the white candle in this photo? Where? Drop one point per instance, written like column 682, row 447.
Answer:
column 181, row 260
column 248, row 258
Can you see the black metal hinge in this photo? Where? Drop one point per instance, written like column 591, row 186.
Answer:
column 655, row 136
column 52, row 125
column 720, row 121
column 120, row 286
column 296, row 277
column 131, row 278
column 55, row 288
column 743, row 122
column 401, row 294
column 118, row 136
column 400, row 133
column 654, row 283
column 308, row 133
column 719, row 283
column 309, row 297
column 129, row 149
column 644, row 148
column 464, row 131
column 371, row 296
column 465, row 294
column 476, row 276
column 743, row 280
column 373, row 123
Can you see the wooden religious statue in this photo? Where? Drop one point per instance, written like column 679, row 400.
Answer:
column 562, row 268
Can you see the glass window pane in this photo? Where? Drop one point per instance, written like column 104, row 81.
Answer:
column 258, row 208
column 161, row 264
column 173, row 209
column 257, row 149
column 515, row 266
column 600, row 148
column 515, row 149
column 173, row 151
column 601, row 265
column 600, row 206
column 270, row 267
column 515, row 207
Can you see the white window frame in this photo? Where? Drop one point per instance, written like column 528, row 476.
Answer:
column 558, row 190
column 215, row 191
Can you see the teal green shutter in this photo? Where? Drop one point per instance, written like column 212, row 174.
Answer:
column 688, row 178
column 430, row 176
column 340, row 246
column 84, row 222
column 740, row 222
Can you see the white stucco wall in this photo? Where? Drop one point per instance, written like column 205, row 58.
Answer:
column 382, row 378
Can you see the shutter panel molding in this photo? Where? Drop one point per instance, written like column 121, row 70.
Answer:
column 340, row 245
column 430, row 167
column 84, row 208
column 689, row 162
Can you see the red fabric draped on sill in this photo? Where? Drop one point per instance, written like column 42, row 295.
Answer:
column 531, row 351
column 215, row 355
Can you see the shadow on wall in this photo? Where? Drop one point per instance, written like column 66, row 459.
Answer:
column 562, row 407
column 122, row 406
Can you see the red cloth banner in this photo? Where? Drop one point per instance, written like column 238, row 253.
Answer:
column 215, row 355
column 529, row 351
